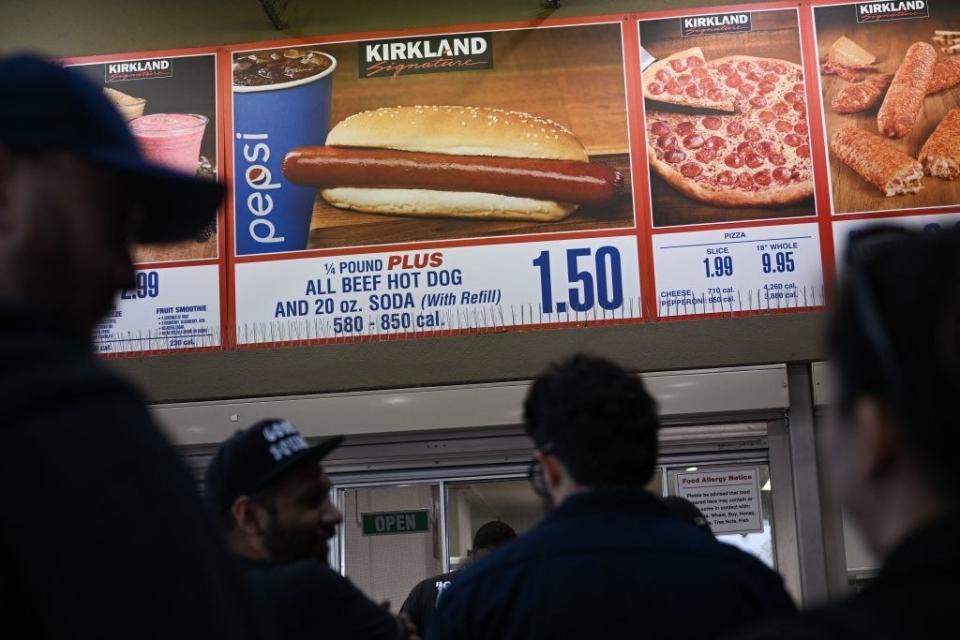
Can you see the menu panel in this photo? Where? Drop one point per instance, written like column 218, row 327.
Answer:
column 728, row 150
column 170, row 103
column 470, row 145
column 890, row 80
column 753, row 269
column 446, row 290
column 726, row 118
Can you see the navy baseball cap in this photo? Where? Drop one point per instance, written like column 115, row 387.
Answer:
column 254, row 458
column 46, row 107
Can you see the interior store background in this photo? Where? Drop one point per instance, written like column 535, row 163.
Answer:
column 438, row 414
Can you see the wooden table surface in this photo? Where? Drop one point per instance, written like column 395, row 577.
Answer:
column 187, row 250
column 774, row 34
column 573, row 75
column 888, row 41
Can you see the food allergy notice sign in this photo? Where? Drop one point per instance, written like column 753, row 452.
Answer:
column 729, row 499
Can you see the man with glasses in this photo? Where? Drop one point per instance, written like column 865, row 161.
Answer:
column 892, row 447
column 610, row 560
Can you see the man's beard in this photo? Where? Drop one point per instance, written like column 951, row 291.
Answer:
column 291, row 544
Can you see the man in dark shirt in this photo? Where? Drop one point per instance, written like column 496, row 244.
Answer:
column 102, row 534
column 422, row 601
column 273, row 498
column 610, row 561
column 892, row 449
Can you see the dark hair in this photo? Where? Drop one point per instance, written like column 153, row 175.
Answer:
column 597, row 418
column 895, row 336
column 266, row 497
column 493, row 534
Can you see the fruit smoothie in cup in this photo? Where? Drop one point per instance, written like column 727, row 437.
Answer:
column 170, row 139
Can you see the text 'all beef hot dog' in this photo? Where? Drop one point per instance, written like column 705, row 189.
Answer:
column 561, row 180
column 454, row 161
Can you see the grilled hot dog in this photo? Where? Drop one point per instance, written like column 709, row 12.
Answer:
column 558, row 180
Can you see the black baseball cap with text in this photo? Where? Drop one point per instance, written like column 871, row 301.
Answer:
column 254, row 458
column 45, row 107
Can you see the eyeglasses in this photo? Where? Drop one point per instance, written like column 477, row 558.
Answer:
column 535, row 472
column 535, row 478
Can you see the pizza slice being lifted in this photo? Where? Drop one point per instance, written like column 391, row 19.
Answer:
column 684, row 79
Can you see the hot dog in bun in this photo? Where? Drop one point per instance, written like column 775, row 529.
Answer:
column 462, row 162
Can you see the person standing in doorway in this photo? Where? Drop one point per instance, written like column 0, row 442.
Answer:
column 423, row 598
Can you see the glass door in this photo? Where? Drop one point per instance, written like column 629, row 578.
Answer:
column 391, row 538
column 473, row 503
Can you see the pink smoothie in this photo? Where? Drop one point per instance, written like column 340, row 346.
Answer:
column 170, row 139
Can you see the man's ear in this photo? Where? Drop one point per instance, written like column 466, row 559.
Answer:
column 251, row 518
column 877, row 439
column 553, row 471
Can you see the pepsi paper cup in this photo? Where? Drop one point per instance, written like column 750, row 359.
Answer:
column 281, row 100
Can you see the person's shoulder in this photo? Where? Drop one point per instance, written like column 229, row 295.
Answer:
column 301, row 580
column 784, row 628
column 432, row 581
column 745, row 562
column 851, row 619
column 44, row 376
column 308, row 569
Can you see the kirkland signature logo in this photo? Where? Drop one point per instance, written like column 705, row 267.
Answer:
column 430, row 54
column 877, row 11
column 137, row 70
column 717, row 23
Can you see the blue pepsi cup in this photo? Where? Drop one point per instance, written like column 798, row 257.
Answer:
column 270, row 118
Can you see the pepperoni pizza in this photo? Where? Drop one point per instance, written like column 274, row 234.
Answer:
column 755, row 153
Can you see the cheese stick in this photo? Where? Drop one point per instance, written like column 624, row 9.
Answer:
column 904, row 100
column 952, row 49
column 885, row 167
column 861, row 96
column 943, row 32
column 940, row 154
column 946, row 74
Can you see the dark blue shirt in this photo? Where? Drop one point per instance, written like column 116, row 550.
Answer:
column 308, row 599
column 102, row 534
column 610, row 564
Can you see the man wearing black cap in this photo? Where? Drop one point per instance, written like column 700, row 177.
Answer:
column 609, row 561
column 103, row 534
column 273, row 499
column 423, row 598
